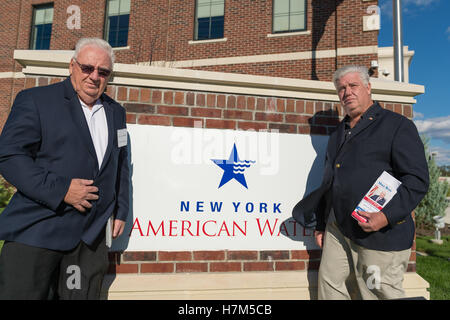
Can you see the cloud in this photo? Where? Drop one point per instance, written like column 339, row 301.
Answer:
column 448, row 33
column 420, row 3
column 409, row 7
column 442, row 155
column 435, row 128
column 417, row 115
column 438, row 130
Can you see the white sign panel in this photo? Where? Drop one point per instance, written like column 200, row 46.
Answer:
column 210, row 189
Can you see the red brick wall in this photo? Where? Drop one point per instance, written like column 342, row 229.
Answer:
column 168, row 107
column 213, row 261
column 163, row 32
column 160, row 30
column 297, row 69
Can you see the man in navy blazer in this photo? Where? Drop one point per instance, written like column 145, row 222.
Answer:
column 64, row 148
column 365, row 260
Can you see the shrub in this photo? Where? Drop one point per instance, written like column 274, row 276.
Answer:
column 6, row 192
column 433, row 204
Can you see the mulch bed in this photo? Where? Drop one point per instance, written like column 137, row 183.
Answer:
column 430, row 231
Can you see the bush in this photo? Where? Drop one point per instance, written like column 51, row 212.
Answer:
column 6, row 192
column 433, row 204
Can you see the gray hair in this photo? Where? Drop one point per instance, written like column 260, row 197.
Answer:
column 361, row 70
column 95, row 42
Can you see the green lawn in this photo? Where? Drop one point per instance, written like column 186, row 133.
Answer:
column 435, row 268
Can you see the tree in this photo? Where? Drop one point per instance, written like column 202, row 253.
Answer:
column 445, row 171
column 433, row 204
column 6, row 192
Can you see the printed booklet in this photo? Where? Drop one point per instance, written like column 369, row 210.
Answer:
column 382, row 191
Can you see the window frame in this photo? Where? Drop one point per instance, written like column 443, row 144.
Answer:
column 107, row 26
column 196, row 24
column 32, row 45
column 293, row 30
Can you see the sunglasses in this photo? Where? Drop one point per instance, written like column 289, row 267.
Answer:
column 88, row 69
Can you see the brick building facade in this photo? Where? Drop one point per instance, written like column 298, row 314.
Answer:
column 162, row 33
column 258, row 80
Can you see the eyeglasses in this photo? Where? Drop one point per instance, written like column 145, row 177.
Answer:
column 88, row 69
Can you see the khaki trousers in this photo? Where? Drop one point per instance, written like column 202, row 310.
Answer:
column 349, row 271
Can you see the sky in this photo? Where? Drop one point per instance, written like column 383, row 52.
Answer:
column 426, row 31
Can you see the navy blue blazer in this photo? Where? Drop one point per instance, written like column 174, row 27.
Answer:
column 44, row 144
column 352, row 167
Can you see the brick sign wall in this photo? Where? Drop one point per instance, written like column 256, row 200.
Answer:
column 182, row 108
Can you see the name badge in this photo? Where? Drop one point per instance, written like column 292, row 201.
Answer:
column 122, row 138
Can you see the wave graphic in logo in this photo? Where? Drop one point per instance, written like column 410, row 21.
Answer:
column 241, row 166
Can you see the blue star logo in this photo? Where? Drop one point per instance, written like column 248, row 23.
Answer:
column 233, row 168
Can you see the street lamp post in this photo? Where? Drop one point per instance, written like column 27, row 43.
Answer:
column 398, row 41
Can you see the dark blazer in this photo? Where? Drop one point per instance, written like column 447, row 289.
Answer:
column 352, row 167
column 44, row 144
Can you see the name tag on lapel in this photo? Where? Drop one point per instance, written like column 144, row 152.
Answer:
column 122, row 138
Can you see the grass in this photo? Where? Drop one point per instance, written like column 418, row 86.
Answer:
column 435, row 268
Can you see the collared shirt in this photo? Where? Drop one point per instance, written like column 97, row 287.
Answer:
column 98, row 127
column 348, row 129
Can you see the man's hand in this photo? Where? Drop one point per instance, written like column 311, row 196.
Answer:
column 375, row 221
column 79, row 193
column 118, row 228
column 319, row 235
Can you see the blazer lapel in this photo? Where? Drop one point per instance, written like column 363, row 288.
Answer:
column 109, row 111
column 365, row 122
column 75, row 109
column 340, row 137
column 336, row 143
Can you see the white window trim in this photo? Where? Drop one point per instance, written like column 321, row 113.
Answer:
column 287, row 34
column 207, row 41
column 121, row 48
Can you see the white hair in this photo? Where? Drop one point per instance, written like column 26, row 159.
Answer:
column 95, row 42
column 361, row 70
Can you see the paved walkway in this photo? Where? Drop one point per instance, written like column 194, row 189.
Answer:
column 447, row 215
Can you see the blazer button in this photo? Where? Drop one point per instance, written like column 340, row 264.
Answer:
column 338, row 165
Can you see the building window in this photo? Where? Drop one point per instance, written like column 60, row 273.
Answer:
column 289, row 15
column 209, row 19
column 41, row 28
column 117, row 22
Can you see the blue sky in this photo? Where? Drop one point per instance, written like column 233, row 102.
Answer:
column 426, row 31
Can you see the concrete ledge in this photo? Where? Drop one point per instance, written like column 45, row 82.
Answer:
column 55, row 63
column 193, row 286
column 416, row 286
column 289, row 285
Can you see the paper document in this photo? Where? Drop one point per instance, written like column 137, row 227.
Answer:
column 382, row 191
column 109, row 230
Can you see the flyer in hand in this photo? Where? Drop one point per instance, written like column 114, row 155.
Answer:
column 382, row 191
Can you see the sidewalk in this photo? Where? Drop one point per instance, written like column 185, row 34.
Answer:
column 447, row 212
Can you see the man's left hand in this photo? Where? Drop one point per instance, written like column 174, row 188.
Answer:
column 375, row 221
column 118, row 228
